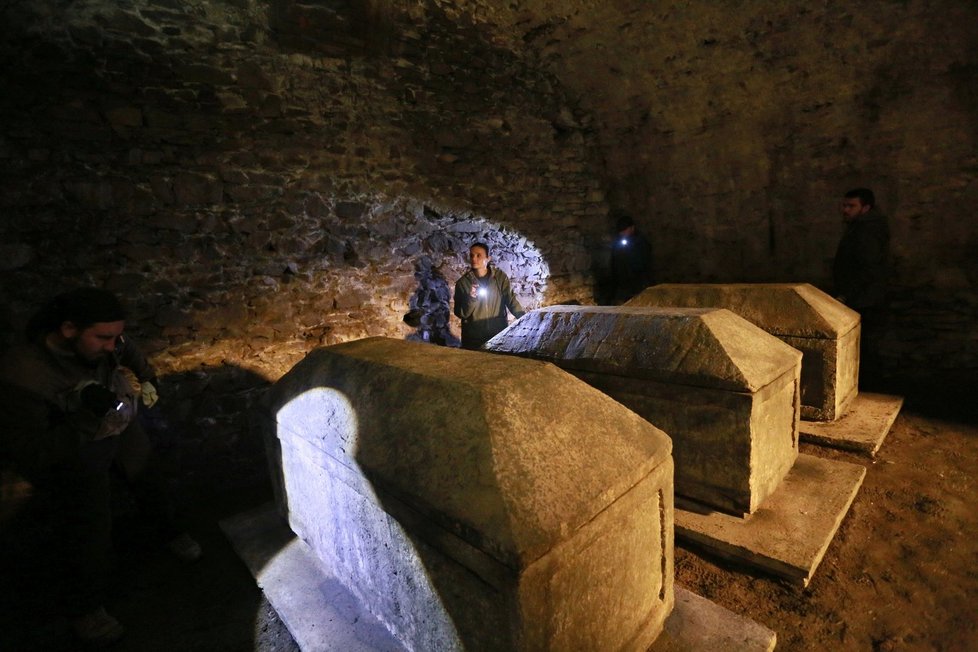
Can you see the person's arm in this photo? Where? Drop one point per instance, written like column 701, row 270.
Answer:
column 464, row 305
column 509, row 298
column 129, row 355
column 872, row 251
column 868, row 276
column 36, row 435
column 646, row 262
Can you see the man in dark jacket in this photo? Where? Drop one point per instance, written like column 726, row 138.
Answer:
column 631, row 260
column 482, row 296
column 69, row 395
column 861, row 270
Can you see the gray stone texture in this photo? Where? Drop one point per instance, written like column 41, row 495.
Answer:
column 800, row 315
column 275, row 155
column 477, row 501
column 723, row 389
column 728, row 132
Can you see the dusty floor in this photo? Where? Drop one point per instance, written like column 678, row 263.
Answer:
column 902, row 573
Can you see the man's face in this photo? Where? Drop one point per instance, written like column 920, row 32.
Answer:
column 478, row 258
column 852, row 207
column 94, row 343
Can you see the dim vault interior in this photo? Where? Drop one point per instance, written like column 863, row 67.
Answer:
column 284, row 194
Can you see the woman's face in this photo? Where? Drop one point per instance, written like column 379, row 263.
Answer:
column 478, row 258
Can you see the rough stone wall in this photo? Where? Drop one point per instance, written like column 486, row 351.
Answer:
column 261, row 178
column 258, row 179
column 731, row 131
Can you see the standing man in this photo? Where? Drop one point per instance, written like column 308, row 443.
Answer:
column 68, row 402
column 482, row 296
column 861, row 270
column 631, row 260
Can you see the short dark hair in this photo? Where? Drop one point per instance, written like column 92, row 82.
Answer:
column 81, row 306
column 483, row 245
column 864, row 195
column 622, row 220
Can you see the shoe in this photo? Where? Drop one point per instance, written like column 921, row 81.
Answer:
column 185, row 548
column 97, row 628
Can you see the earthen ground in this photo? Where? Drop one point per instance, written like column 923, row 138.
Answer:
column 901, row 574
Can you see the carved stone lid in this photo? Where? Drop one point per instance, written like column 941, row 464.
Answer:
column 789, row 309
column 701, row 347
column 510, row 455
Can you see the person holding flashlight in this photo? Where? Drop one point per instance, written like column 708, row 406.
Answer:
column 68, row 402
column 482, row 296
column 631, row 260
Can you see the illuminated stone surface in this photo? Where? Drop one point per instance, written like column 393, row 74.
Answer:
column 477, row 501
column 321, row 614
column 799, row 314
column 723, row 389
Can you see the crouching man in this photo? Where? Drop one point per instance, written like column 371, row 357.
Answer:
column 68, row 402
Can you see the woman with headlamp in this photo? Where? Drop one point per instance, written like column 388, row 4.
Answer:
column 482, row 296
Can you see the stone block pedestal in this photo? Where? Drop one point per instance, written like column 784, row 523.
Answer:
column 862, row 428
column 788, row 536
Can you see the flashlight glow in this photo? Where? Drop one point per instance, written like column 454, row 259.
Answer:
column 624, row 242
column 482, row 292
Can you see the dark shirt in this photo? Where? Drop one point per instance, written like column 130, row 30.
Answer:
column 42, row 419
column 631, row 265
column 861, row 267
column 485, row 316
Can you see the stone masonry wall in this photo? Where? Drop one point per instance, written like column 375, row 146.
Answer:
column 257, row 179
column 260, row 178
column 731, row 130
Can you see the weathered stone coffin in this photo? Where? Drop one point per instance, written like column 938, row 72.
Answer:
column 723, row 389
column 799, row 314
column 477, row 502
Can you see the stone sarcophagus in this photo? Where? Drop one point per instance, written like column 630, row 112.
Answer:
column 474, row 501
column 723, row 389
column 799, row 314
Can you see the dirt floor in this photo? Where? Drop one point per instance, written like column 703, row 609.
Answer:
column 902, row 571
column 901, row 574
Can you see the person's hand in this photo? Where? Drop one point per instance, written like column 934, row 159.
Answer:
column 474, row 291
column 131, row 378
column 149, row 395
column 98, row 399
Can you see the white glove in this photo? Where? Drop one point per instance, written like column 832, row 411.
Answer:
column 149, row 395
